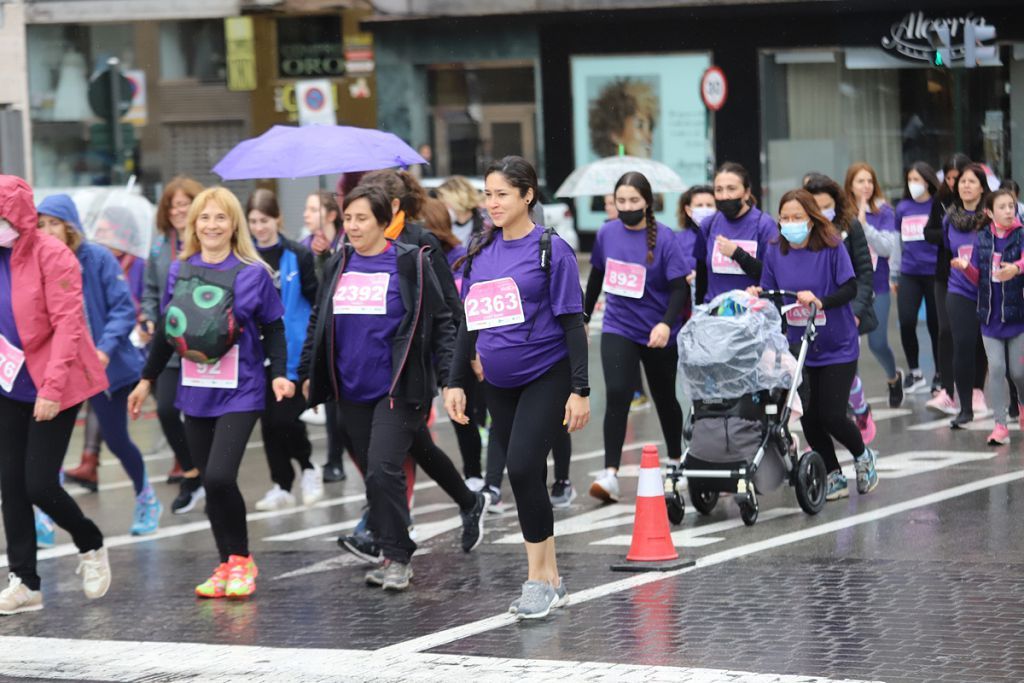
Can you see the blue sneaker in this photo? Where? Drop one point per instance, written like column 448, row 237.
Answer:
column 45, row 531
column 147, row 513
column 837, row 486
column 867, row 475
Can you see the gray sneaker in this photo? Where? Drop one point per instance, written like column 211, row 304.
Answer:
column 561, row 593
column 536, row 601
column 867, row 475
column 396, row 576
column 562, row 494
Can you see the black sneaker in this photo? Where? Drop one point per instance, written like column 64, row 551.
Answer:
column 362, row 546
column 473, row 523
column 190, row 492
column 936, row 384
column 896, row 391
column 333, row 473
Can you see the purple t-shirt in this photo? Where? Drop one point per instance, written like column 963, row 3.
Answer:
column 687, row 238
column 919, row 256
column 995, row 327
column 883, row 219
column 23, row 389
column 629, row 316
column 362, row 348
column 514, row 355
column 755, row 229
column 960, row 244
column 821, row 272
column 257, row 302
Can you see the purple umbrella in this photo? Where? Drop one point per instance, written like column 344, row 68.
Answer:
column 302, row 152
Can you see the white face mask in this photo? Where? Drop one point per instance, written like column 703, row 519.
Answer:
column 917, row 190
column 700, row 213
column 8, row 235
column 829, row 214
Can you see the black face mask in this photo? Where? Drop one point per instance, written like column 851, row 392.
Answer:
column 730, row 208
column 632, row 217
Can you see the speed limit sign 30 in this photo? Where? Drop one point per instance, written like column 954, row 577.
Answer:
column 713, row 88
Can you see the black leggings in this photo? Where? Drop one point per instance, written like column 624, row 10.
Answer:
column 217, row 445
column 621, row 359
column 468, row 435
column 969, row 360
column 337, row 440
column 561, row 451
column 944, row 361
column 31, row 454
column 825, row 391
column 170, row 416
column 382, row 438
column 525, row 421
column 912, row 290
column 284, row 437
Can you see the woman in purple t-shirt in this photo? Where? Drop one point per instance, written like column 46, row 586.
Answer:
column 223, row 398
column 380, row 327
column 809, row 259
column 917, row 269
column 640, row 266
column 524, row 316
column 960, row 227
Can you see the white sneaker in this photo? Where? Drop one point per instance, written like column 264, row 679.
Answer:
column 606, row 487
column 276, row 499
column 475, row 484
column 94, row 568
column 311, row 418
column 17, row 597
column 312, row 485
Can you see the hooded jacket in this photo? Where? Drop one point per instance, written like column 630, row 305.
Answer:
column 59, row 353
column 109, row 307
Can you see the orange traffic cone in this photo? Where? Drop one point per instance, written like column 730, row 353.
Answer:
column 652, row 548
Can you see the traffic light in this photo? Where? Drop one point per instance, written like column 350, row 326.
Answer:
column 976, row 52
column 938, row 36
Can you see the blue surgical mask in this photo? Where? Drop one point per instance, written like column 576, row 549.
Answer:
column 795, row 233
column 701, row 213
column 830, row 214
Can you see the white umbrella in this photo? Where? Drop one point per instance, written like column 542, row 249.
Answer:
column 117, row 218
column 599, row 178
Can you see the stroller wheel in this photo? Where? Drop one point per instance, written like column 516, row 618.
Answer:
column 703, row 500
column 811, row 483
column 676, row 510
column 748, row 512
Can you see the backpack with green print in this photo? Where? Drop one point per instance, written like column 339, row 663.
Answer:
column 200, row 320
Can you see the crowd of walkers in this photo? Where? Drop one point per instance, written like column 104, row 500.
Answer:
column 395, row 296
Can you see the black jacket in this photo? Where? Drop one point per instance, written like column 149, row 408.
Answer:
column 414, row 234
column 863, row 304
column 425, row 337
column 935, row 233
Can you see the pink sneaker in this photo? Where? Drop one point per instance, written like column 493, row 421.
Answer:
column 978, row 403
column 943, row 403
column 1000, row 436
column 866, row 425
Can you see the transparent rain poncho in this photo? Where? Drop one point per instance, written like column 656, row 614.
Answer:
column 734, row 346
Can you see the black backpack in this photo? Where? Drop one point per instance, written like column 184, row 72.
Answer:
column 200, row 320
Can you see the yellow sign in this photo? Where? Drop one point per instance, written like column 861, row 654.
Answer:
column 241, row 58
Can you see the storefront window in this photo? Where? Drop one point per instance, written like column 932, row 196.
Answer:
column 823, row 110
column 62, row 58
column 193, row 50
column 481, row 114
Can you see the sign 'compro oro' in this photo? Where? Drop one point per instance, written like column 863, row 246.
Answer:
column 914, row 37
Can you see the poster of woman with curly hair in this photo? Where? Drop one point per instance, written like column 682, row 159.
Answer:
column 645, row 106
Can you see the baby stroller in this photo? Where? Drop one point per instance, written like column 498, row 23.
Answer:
column 737, row 368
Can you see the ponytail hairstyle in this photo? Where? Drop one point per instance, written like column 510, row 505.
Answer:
column 264, row 201
column 400, row 185
column 638, row 181
column 819, row 183
column 437, row 220
column 518, row 173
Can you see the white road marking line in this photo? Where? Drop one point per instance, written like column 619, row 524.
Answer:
column 122, row 661
column 979, row 425
column 879, row 415
column 311, row 532
column 702, row 535
column 601, row 518
column 446, row 636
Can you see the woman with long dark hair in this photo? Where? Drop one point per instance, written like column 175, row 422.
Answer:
column 524, row 315
column 638, row 263
column 917, row 269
